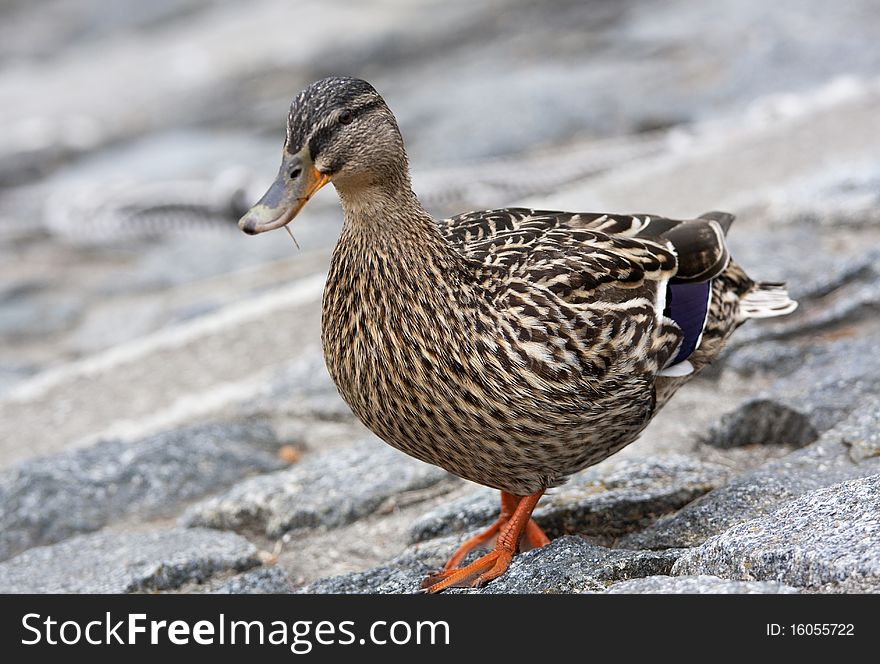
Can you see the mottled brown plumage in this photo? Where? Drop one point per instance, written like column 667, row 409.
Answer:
column 513, row 356
column 511, row 347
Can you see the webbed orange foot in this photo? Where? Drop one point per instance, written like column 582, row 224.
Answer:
column 478, row 573
column 513, row 530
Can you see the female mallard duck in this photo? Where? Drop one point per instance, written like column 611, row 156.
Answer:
column 511, row 347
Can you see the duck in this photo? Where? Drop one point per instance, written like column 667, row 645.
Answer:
column 511, row 347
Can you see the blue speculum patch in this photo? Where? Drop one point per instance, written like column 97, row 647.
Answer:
column 687, row 305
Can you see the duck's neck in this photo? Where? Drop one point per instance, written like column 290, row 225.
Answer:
column 391, row 223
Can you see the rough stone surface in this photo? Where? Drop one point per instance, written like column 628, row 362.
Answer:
column 850, row 450
column 124, row 563
column 697, row 585
column 617, row 497
column 400, row 575
column 566, row 565
column 825, row 540
column 762, row 422
column 860, row 433
column 46, row 500
column 476, row 509
column 763, row 357
column 303, row 388
column 845, row 195
column 260, row 581
column 831, row 382
column 328, row 490
column 572, row 564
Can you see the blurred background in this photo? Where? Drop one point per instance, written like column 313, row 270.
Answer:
column 136, row 133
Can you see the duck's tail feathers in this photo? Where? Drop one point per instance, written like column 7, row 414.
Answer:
column 700, row 247
column 724, row 219
column 766, row 300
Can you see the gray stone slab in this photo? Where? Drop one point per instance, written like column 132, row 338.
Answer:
column 572, row 564
column 400, row 575
column 328, row 489
column 832, row 380
column 606, row 501
column 260, row 581
column 303, row 388
column 109, row 562
column 81, row 490
column 567, row 565
column 850, row 450
column 697, row 585
column 826, row 540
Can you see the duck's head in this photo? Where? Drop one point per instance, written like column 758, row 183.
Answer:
column 339, row 130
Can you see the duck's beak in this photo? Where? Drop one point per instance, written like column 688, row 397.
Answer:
column 297, row 182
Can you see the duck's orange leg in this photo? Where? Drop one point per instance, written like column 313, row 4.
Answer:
column 486, row 538
column 533, row 537
column 513, row 529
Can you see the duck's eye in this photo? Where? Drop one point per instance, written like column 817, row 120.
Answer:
column 345, row 117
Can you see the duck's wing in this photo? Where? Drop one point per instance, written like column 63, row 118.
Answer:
column 594, row 288
column 580, row 300
column 699, row 244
